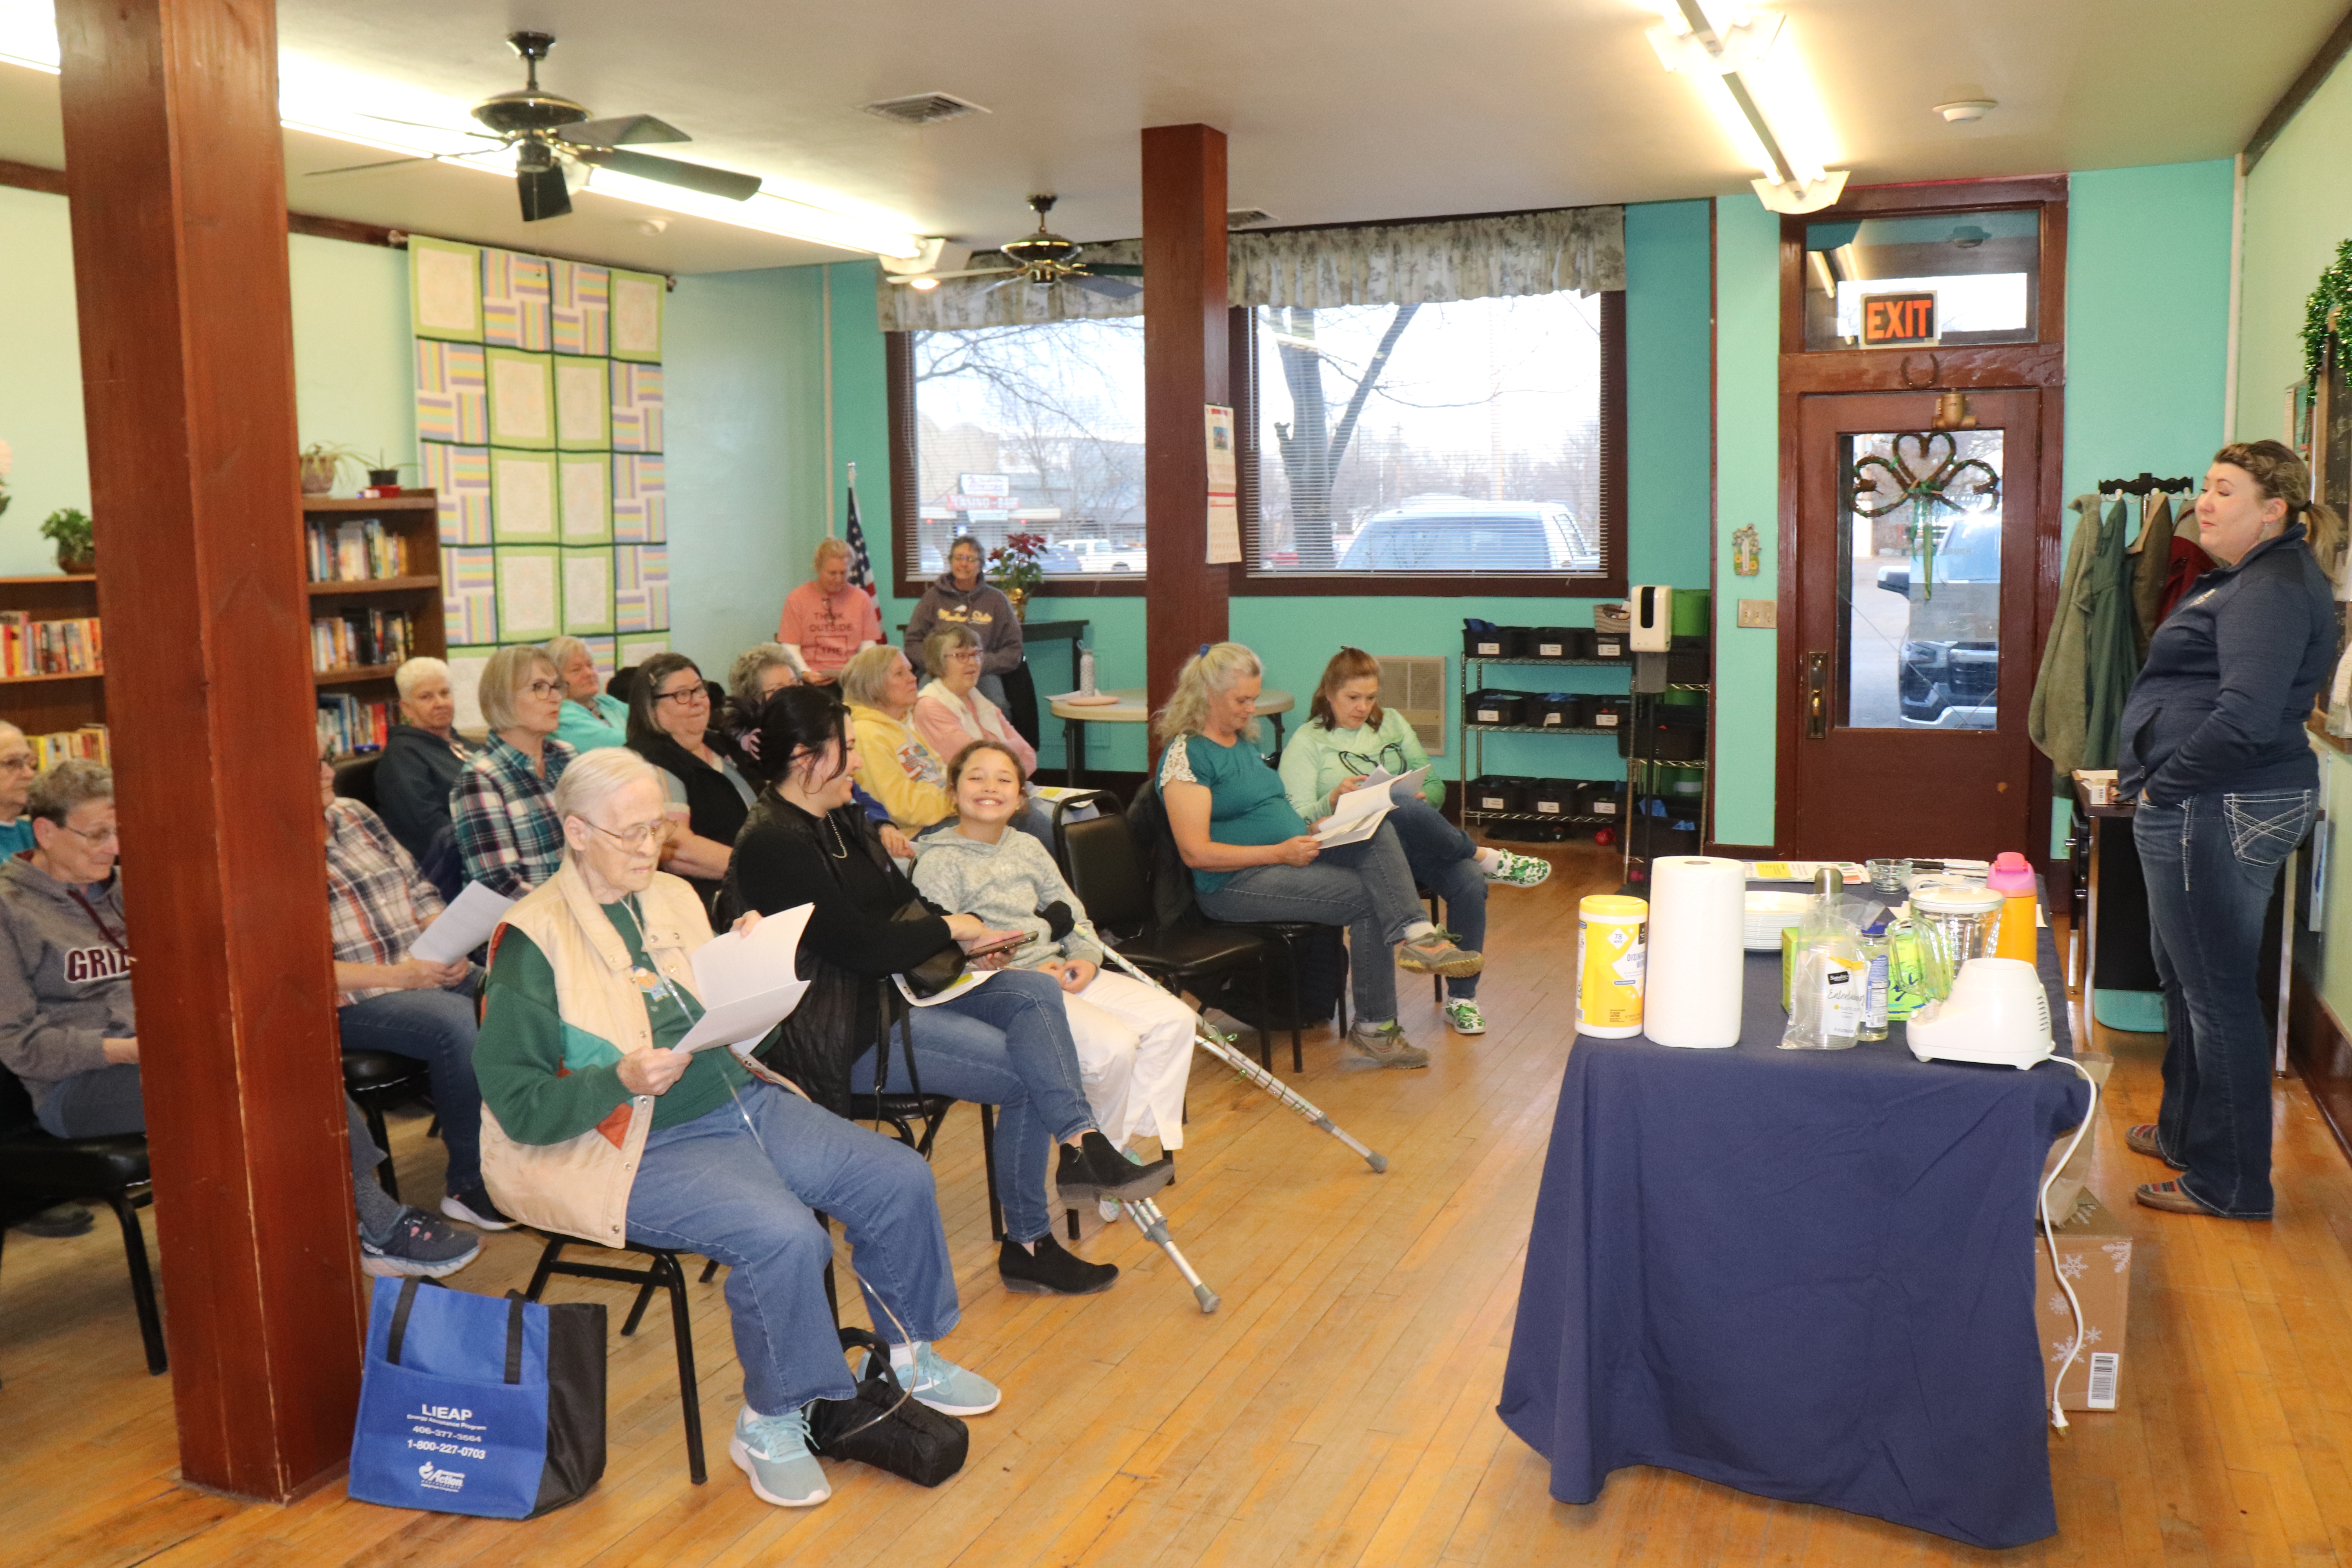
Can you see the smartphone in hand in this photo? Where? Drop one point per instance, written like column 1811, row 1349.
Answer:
column 1010, row 944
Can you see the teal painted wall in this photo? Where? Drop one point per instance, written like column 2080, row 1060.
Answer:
column 1667, row 499
column 2298, row 210
column 1748, row 492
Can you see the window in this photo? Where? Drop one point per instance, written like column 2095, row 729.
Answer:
column 1865, row 276
column 1472, row 440
column 1031, row 429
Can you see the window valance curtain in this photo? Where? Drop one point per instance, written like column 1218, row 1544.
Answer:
column 1443, row 260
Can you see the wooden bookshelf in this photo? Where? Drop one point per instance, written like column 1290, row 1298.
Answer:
column 415, row 518
column 45, row 704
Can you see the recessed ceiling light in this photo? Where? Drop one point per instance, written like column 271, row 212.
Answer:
column 1966, row 109
column 923, row 108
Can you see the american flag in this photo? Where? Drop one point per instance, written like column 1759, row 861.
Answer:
column 861, row 564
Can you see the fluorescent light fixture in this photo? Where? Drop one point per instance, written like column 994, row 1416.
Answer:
column 1735, row 48
column 1760, row 94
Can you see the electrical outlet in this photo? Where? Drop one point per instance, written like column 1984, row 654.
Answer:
column 1761, row 614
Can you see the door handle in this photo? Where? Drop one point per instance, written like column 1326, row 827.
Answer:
column 1817, row 696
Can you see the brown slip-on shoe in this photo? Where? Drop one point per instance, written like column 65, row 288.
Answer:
column 2170, row 1196
column 2141, row 1140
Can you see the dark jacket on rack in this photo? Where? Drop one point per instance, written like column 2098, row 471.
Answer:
column 2220, row 703
column 785, row 858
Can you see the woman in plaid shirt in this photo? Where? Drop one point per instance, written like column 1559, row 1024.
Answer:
column 378, row 904
column 503, row 803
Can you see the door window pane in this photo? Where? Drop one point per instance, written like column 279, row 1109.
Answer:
column 1920, row 607
column 1982, row 269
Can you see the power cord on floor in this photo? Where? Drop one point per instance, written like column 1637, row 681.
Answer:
column 2057, row 1269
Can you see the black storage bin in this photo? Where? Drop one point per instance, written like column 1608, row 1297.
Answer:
column 1554, row 709
column 1497, row 792
column 1560, row 642
column 1484, row 639
column 1611, row 646
column 1555, row 798
column 1659, row 839
column 1686, row 661
column 1603, row 712
column 1602, row 798
column 1668, row 737
column 1494, row 705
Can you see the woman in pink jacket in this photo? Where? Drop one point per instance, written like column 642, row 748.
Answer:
column 950, row 712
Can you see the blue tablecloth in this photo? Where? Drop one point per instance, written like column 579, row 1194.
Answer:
column 1807, row 1275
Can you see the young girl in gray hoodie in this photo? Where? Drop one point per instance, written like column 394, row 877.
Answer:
column 1134, row 1040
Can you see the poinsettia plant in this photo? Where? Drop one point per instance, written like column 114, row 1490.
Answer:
column 1015, row 565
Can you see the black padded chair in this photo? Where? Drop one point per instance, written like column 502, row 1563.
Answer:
column 376, row 1081
column 663, row 1272
column 902, row 1112
column 355, row 780
column 38, row 1171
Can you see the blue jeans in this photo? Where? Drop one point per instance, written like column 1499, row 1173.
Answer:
column 2211, row 863
column 435, row 1027
column 1004, row 1043
column 1366, row 887
column 738, row 1185
column 1444, row 860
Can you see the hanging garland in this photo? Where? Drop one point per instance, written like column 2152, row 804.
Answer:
column 2319, row 312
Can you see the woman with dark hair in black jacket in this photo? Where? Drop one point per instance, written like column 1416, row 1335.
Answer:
column 669, row 726
column 1004, row 1042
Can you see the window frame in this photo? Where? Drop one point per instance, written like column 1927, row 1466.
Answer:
column 1246, row 579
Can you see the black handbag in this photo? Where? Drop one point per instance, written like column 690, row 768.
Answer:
column 885, row 1426
column 940, row 970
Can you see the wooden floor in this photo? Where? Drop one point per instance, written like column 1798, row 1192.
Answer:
column 1338, row 1409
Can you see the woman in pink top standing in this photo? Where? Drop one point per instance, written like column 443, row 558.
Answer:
column 950, row 712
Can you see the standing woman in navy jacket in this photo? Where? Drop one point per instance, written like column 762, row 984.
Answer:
column 2213, row 745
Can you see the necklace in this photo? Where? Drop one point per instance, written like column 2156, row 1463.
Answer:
column 840, row 850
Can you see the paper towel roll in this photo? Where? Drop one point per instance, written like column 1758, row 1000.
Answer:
column 1697, row 950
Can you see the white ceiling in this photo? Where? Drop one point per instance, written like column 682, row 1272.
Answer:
column 1378, row 108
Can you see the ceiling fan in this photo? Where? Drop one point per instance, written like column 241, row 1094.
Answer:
column 553, row 137
column 1044, row 258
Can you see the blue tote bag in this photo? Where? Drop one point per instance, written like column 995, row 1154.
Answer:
column 477, row 1404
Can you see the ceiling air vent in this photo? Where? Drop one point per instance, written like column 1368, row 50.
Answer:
column 1248, row 218
column 923, row 108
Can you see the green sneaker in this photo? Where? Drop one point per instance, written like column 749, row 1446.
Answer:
column 1433, row 952
column 773, row 1451
column 1517, row 870
column 1386, row 1045
column 1462, row 1016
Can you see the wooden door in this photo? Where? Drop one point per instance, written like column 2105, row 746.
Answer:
column 1915, row 563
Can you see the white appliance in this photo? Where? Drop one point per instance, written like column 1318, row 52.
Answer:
column 1998, row 1015
column 1653, row 611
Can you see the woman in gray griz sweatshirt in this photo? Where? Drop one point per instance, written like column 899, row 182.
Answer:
column 65, row 990
column 1134, row 1040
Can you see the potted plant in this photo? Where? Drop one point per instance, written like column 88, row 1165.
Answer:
column 1013, row 566
column 321, row 463
column 383, row 475
column 68, row 528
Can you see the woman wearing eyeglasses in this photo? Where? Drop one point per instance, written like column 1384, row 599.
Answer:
column 953, row 711
column 1348, row 736
column 16, row 771
column 501, row 805
column 669, row 726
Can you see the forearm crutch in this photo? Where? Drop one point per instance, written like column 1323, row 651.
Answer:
column 1209, row 1040
column 1153, row 1223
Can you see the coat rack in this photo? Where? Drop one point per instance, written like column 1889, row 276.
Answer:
column 2145, row 485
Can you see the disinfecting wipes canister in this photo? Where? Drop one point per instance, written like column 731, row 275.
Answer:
column 1610, row 959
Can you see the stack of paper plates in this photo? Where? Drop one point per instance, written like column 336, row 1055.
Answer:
column 1767, row 914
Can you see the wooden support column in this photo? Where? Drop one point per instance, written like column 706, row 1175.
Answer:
column 1184, row 369
column 177, row 187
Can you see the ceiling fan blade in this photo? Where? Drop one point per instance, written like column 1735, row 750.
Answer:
column 701, row 177
column 1114, row 268
column 623, row 130
column 1108, row 288
column 942, row 277
column 419, row 124
column 381, row 163
column 543, row 192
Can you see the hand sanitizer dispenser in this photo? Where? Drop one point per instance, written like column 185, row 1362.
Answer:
column 1653, row 611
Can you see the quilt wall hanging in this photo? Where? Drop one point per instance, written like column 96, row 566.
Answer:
column 539, row 422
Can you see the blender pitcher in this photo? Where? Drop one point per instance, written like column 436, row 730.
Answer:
column 1952, row 925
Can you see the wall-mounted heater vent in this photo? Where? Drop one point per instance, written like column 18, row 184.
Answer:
column 1416, row 689
column 924, row 108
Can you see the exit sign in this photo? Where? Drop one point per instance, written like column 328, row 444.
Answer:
column 1890, row 319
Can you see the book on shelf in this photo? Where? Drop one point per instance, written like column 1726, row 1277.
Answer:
column 89, row 743
column 347, row 725
column 357, row 551
column 28, row 647
column 359, row 638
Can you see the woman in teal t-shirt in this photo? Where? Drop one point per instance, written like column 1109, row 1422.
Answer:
column 1350, row 736
column 1253, row 858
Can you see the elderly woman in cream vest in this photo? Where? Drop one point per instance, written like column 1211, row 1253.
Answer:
column 593, row 1126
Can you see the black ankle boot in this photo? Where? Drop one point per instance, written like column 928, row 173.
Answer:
column 1051, row 1271
column 1095, row 1170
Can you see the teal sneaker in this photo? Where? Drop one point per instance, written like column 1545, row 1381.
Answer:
column 1517, row 870
column 1462, row 1016
column 945, row 1387
column 772, row 1450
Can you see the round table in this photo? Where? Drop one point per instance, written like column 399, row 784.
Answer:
column 1132, row 708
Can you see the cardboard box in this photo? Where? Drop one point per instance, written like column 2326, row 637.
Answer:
column 2096, row 1252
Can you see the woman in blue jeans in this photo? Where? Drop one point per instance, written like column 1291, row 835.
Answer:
column 1253, row 858
column 2213, row 745
column 1348, row 736
column 1004, row 1042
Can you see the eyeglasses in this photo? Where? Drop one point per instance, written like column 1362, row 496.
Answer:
column 685, row 695
column 24, row 764
column 96, row 840
column 1391, row 756
column 544, row 688
column 644, row 836
column 964, row 655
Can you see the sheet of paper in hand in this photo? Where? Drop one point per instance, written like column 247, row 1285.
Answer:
column 464, row 926
column 1355, row 816
column 747, row 981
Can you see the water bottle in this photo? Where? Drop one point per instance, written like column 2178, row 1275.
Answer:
column 1086, row 672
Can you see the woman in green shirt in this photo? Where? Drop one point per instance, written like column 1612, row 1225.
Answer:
column 1348, row 736
column 589, row 1110
column 1253, row 857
